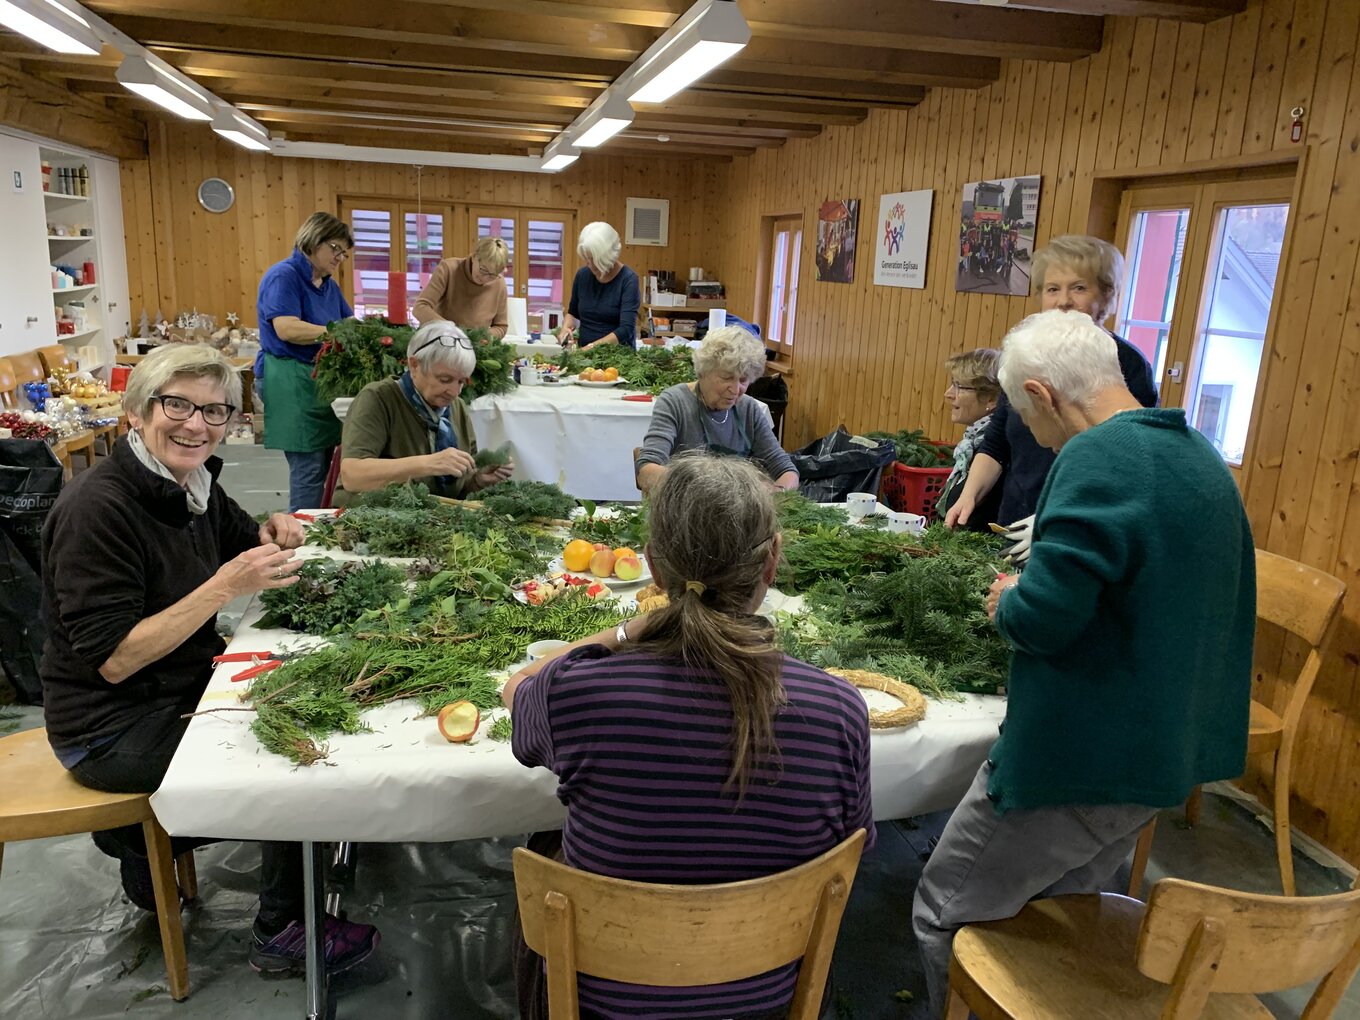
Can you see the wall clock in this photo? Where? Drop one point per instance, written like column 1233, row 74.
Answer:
column 216, row 195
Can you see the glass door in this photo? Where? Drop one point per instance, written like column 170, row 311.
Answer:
column 395, row 243
column 371, row 261
column 542, row 254
column 1203, row 265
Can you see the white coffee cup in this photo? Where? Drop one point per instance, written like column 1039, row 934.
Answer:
column 900, row 522
column 857, row 504
column 528, row 376
column 542, row 649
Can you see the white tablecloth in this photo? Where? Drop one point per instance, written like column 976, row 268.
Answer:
column 577, row 437
column 403, row 782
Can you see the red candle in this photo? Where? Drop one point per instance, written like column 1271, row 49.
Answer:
column 396, row 298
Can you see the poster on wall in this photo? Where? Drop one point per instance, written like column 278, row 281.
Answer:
column 996, row 235
column 900, row 250
column 837, row 227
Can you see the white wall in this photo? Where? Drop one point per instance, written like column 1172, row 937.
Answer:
column 25, row 276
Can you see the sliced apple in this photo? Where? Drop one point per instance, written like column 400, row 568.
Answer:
column 458, row 721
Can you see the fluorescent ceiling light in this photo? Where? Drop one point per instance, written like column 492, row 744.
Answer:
column 235, row 128
column 688, row 51
column 603, row 121
column 559, row 155
column 150, row 82
column 51, row 25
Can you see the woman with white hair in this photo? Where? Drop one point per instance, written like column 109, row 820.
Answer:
column 1131, row 630
column 469, row 291
column 414, row 427
column 604, row 295
column 140, row 553
column 714, row 413
column 1072, row 274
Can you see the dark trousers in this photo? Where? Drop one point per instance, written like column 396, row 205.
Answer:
column 136, row 763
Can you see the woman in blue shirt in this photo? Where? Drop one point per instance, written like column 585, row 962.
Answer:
column 298, row 300
column 604, row 295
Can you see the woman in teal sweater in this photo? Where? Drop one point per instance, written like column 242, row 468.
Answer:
column 1132, row 631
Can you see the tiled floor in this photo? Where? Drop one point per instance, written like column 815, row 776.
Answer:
column 72, row 947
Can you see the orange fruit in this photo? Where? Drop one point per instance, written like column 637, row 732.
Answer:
column 611, row 373
column 623, row 551
column 576, row 556
column 597, row 375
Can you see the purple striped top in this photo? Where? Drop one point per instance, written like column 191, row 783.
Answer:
column 641, row 747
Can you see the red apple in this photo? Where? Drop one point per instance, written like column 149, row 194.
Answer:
column 627, row 568
column 602, row 563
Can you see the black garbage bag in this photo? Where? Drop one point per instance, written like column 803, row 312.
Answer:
column 838, row 464
column 30, row 481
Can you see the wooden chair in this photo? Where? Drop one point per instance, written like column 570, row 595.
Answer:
column 1304, row 601
column 43, row 800
column 1108, row 956
column 9, row 401
column 676, row 935
column 55, row 357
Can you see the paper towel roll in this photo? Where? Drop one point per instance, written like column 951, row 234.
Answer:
column 717, row 318
column 517, row 309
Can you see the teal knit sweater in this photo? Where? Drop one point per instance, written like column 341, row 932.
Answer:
column 1132, row 625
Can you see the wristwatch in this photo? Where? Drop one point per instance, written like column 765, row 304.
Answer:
column 621, row 633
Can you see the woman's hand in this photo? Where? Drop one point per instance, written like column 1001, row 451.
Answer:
column 492, row 476
column 266, row 566
column 994, row 593
column 282, row 530
column 960, row 512
column 451, row 461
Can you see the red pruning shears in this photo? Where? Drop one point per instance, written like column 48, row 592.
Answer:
column 642, row 398
column 261, row 662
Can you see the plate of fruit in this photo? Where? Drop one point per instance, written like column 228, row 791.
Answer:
column 621, row 566
column 600, row 377
column 545, row 589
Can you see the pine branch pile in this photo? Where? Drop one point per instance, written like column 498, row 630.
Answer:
column 526, row 501
column 330, row 595
column 650, row 368
column 914, row 450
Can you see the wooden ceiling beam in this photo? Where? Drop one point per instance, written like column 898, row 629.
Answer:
column 783, row 56
column 284, row 119
column 1177, row 10
column 814, row 88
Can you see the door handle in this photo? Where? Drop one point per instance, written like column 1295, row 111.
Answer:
column 1176, row 371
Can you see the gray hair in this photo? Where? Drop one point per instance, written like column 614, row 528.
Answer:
column 1095, row 260
column 172, row 361
column 320, row 228
column 428, row 352
column 599, row 244
column 1066, row 351
column 731, row 350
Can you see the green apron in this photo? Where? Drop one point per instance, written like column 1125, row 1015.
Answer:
column 294, row 420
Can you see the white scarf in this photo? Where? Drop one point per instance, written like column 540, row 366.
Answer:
column 199, row 486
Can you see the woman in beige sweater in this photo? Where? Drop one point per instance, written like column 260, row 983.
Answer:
column 469, row 292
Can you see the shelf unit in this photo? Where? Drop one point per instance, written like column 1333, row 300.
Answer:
column 74, row 213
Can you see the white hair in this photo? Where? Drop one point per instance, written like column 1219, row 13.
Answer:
column 731, row 350
column 427, row 350
column 1065, row 351
column 599, row 245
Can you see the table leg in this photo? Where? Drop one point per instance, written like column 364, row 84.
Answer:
column 313, row 891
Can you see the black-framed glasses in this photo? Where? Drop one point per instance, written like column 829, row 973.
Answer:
column 444, row 340
column 179, row 409
column 341, row 252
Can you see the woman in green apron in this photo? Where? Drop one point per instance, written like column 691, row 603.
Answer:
column 714, row 413
column 298, row 300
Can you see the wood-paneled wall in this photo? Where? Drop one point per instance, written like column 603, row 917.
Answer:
column 181, row 257
column 1157, row 94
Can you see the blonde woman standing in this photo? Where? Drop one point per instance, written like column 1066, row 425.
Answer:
column 470, row 291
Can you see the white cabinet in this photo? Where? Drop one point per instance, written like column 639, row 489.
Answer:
column 74, row 225
column 26, row 317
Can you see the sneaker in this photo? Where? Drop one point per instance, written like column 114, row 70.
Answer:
column 347, row 944
column 136, row 874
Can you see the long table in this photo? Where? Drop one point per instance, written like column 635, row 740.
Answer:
column 580, row 438
column 402, row 782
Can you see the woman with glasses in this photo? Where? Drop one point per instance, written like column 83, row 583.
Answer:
column 470, row 291
column 414, row 428
column 604, row 294
column 299, row 298
column 972, row 395
column 139, row 555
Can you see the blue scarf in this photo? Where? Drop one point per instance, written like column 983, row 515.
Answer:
column 438, row 422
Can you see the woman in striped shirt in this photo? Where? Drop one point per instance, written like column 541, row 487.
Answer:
column 688, row 748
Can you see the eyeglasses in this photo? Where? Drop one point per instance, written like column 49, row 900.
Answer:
column 480, row 272
column 956, row 388
column 445, row 340
column 341, row 252
column 179, row 409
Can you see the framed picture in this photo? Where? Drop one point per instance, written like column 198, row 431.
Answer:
column 837, row 233
column 996, row 235
column 900, row 248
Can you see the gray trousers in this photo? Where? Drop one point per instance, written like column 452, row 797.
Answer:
column 987, row 866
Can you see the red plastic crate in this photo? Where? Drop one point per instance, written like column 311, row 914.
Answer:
column 914, row 490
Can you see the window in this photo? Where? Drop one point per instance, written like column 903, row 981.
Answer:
column 784, row 249
column 379, row 251
column 540, row 256
column 1204, row 262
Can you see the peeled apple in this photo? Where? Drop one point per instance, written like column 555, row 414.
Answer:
column 458, row 721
